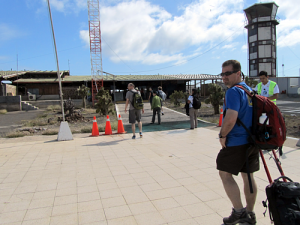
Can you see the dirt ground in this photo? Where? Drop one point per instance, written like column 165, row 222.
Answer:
column 45, row 122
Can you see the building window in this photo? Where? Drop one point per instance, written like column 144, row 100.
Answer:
column 253, row 49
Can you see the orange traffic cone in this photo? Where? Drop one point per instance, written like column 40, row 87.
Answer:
column 120, row 126
column 108, row 130
column 221, row 118
column 95, row 130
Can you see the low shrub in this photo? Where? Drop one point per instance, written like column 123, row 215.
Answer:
column 50, row 132
column 15, row 134
column 54, row 108
column 86, row 130
column 3, row 111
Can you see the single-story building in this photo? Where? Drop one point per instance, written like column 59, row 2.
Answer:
column 44, row 84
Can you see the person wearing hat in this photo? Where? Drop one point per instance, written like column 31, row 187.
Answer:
column 266, row 87
column 156, row 106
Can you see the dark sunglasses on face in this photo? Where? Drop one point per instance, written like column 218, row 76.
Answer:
column 228, row 73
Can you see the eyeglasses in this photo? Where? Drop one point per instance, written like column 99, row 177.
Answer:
column 228, row 73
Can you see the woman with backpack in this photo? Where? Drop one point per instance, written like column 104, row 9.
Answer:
column 193, row 108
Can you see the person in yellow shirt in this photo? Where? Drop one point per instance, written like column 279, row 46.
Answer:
column 266, row 87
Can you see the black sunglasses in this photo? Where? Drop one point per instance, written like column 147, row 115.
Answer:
column 228, row 73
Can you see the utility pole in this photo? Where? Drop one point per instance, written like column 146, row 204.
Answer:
column 64, row 133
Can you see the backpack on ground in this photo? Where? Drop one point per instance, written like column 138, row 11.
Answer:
column 272, row 133
column 162, row 95
column 196, row 102
column 284, row 201
column 137, row 102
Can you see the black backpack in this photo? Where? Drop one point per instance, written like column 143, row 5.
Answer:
column 196, row 102
column 137, row 102
column 284, row 202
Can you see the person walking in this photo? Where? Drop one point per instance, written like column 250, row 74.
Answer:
column 156, row 107
column 267, row 88
column 236, row 150
column 134, row 114
column 193, row 112
column 150, row 96
column 163, row 96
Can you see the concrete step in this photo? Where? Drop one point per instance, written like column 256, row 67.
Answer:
column 27, row 106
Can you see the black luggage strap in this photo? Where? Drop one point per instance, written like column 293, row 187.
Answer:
column 248, row 170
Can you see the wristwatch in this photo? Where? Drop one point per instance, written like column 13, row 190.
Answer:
column 220, row 136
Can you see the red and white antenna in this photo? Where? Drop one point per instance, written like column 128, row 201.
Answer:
column 95, row 46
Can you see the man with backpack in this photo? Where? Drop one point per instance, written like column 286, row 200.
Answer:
column 134, row 98
column 237, row 154
column 194, row 104
column 163, row 96
column 156, row 107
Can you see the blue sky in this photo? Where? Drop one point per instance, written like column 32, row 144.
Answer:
column 139, row 36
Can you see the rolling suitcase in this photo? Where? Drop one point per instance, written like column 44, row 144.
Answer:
column 283, row 196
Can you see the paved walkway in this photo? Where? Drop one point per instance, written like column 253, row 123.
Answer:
column 167, row 177
column 171, row 120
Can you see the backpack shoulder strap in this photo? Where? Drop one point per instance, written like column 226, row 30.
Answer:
column 245, row 89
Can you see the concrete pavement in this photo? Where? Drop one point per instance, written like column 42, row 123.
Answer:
column 167, row 177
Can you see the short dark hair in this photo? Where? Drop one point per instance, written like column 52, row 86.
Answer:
column 159, row 88
column 263, row 73
column 195, row 91
column 236, row 65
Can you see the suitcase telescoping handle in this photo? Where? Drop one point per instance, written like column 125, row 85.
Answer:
column 277, row 164
column 266, row 167
column 284, row 177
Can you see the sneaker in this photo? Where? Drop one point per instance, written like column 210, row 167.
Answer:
column 236, row 217
column 141, row 134
column 162, row 113
column 251, row 218
column 133, row 137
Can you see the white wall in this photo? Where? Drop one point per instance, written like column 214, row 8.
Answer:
column 284, row 83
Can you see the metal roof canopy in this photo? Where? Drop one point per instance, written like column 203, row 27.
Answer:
column 127, row 78
column 10, row 74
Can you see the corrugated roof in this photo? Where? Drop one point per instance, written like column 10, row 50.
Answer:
column 9, row 74
column 125, row 78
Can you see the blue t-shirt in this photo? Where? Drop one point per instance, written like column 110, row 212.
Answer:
column 238, row 100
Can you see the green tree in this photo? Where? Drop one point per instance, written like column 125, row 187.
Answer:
column 176, row 96
column 215, row 96
column 83, row 92
column 105, row 103
column 250, row 82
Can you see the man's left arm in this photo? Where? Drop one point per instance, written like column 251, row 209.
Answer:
column 276, row 92
column 228, row 123
column 127, row 102
column 275, row 96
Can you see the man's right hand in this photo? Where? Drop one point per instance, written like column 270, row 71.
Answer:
column 125, row 110
column 143, row 111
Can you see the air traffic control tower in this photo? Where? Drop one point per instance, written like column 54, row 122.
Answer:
column 261, row 28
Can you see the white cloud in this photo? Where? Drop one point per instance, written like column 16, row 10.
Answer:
column 4, row 57
column 244, row 48
column 140, row 31
column 230, row 46
column 289, row 28
column 7, row 32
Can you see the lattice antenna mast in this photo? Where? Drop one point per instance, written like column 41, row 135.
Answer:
column 95, row 40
